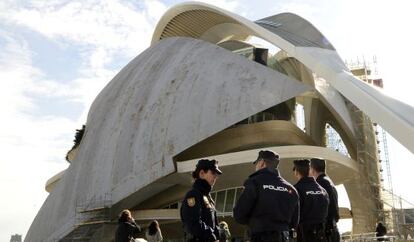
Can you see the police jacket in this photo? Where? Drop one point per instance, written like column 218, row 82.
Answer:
column 314, row 201
column 267, row 203
column 198, row 213
column 333, row 210
column 126, row 230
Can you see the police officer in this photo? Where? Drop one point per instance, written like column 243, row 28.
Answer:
column 268, row 202
column 317, row 170
column 314, row 203
column 198, row 213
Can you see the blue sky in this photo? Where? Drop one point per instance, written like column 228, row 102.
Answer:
column 56, row 55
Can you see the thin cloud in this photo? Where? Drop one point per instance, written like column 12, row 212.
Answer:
column 302, row 9
column 229, row 5
column 110, row 25
column 32, row 147
column 101, row 29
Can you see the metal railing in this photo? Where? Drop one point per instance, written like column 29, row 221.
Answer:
column 366, row 237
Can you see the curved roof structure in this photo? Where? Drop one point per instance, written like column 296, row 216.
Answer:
column 299, row 39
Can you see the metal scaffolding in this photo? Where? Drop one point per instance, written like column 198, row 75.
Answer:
column 90, row 216
column 334, row 141
column 398, row 219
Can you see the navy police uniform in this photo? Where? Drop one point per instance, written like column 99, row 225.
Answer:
column 314, row 203
column 198, row 212
column 267, row 205
column 332, row 232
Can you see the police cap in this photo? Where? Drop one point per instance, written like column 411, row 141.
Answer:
column 267, row 155
column 209, row 165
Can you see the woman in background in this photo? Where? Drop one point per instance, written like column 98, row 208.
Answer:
column 127, row 228
column 153, row 233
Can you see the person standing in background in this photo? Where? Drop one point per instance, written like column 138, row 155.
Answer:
column 381, row 231
column 153, row 233
column 127, row 228
column 224, row 232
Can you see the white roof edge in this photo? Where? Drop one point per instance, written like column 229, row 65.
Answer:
column 255, row 28
column 285, row 152
column 54, row 179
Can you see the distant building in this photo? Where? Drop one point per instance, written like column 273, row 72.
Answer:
column 16, row 238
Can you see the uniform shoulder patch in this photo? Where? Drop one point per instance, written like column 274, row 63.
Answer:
column 191, row 201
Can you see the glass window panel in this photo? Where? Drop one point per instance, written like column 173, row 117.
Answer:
column 220, row 201
column 229, row 200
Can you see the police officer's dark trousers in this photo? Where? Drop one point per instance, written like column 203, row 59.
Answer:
column 332, row 233
column 311, row 233
column 193, row 240
column 271, row 236
column 190, row 238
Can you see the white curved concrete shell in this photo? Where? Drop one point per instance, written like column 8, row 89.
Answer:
column 183, row 94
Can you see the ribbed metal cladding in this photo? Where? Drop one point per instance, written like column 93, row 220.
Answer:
column 193, row 23
column 291, row 37
column 295, row 30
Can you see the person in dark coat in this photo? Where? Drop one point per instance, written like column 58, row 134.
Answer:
column 127, row 228
column 314, row 203
column 317, row 170
column 198, row 213
column 381, row 231
column 268, row 202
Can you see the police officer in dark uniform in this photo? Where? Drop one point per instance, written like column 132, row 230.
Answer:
column 317, row 170
column 198, row 213
column 268, row 202
column 314, row 203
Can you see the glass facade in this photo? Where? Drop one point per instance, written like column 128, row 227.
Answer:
column 226, row 199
